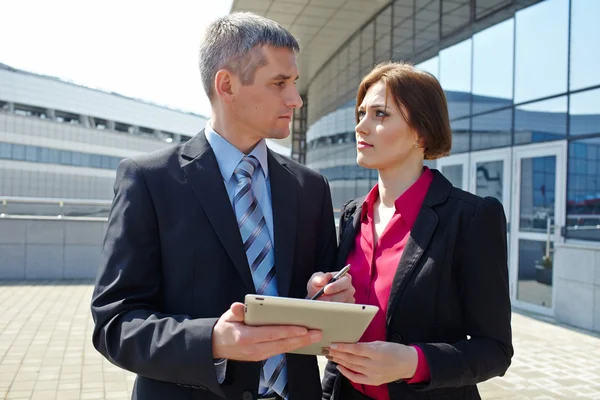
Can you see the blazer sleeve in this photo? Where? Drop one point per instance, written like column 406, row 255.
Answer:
column 130, row 330
column 484, row 293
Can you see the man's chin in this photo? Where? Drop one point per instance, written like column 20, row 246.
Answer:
column 279, row 134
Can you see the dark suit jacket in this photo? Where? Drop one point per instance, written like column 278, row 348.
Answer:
column 173, row 262
column 451, row 283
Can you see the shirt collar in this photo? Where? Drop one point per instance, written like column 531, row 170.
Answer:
column 409, row 203
column 228, row 156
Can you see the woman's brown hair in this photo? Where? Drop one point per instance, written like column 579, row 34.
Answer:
column 420, row 99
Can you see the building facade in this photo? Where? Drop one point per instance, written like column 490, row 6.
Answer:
column 522, row 81
column 60, row 145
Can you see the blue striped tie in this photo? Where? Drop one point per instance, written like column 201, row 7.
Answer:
column 259, row 250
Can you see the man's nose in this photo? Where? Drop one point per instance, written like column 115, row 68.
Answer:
column 294, row 100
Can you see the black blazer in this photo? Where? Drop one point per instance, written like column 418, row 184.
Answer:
column 451, row 284
column 173, row 262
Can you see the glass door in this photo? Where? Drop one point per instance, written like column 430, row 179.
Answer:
column 490, row 175
column 456, row 169
column 538, row 206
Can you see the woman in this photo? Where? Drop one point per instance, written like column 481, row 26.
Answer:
column 432, row 257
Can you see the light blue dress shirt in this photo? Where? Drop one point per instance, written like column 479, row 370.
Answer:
column 228, row 158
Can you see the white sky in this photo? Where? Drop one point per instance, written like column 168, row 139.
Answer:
column 142, row 49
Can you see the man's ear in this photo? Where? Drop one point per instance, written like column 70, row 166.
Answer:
column 224, row 85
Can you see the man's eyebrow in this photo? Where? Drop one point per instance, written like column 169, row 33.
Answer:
column 282, row 77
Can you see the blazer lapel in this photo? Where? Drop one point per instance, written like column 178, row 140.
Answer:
column 204, row 176
column 419, row 239
column 284, row 200
column 415, row 246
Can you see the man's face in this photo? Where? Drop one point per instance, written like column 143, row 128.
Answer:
column 265, row 107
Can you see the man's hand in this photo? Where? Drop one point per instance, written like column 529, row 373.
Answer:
column 233, row 340
column 341, row 290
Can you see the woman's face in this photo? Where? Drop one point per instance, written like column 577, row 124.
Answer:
column 383, row 137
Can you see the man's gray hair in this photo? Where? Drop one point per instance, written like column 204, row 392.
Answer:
column 233, row 42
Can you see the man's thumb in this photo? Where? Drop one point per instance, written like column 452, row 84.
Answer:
column 237, row 311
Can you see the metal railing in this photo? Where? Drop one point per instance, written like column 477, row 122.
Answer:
column 42, row 208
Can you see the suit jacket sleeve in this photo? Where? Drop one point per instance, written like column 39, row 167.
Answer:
column 327, row 242
column 130, row 330
column 483, row 285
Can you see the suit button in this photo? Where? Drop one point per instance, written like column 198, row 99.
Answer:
column 396, row 338
column 247, row 396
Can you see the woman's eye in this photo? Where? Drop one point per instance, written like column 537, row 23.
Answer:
column 361, row 114
column 380, row 114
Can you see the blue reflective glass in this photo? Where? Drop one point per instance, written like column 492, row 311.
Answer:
column 584, row 113
column 541, row 121
column 493, row 67
column 585, row 42
column 541, row 50
column 583, row 197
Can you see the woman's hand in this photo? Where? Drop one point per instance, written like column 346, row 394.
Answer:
column 374, row 363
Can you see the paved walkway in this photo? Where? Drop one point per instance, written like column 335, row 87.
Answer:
column 46, row 352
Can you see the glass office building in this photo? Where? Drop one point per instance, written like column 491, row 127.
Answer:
column 522, row 80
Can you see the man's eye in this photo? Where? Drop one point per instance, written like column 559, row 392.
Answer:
column 279, row 83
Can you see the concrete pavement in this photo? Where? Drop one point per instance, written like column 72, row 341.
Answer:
column 46, row 352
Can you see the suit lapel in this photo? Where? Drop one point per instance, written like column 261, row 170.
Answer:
column 284, row 200
column 202, row 171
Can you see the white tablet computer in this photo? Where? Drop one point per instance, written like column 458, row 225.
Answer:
column 339, row 322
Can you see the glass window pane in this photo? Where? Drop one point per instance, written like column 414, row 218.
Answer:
column 454, row 173
column 490, row 179
column 584, row 112
column 65, row 157
column 493, row 67
column 455, row 77
column 53, row 156
column 76, row 158
column 367, row 56
column 585, row 42
column 491, row 130
column 84, row 159
column 455, row 14
column 18, row 152
column 383, row 35
column 460, row 135
column 538, row 177
column 541, row 53
column 541, row 121
column 96, row 161
column 484, row 7
column 427, row 19
column 6, row 150
column 583, row 198
column 31, row 153
column 535, row 273
column 432, row 66
column 402, row 31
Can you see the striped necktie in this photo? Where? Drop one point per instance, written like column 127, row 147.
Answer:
column 259, row 251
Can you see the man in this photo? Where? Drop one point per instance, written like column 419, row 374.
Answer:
column 195, row 227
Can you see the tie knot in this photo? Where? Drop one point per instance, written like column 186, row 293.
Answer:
column 245, row 168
